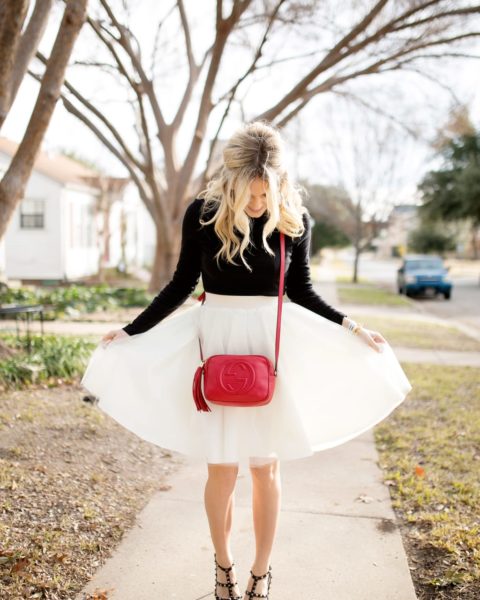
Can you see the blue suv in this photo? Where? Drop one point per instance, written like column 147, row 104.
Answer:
column 423, row 272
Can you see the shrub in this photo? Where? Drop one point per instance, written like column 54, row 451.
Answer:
column 51, row 358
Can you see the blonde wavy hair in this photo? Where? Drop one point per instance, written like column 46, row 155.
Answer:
column 255, row 150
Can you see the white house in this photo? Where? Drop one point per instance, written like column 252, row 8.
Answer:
column 60, row 231
column 392, row 240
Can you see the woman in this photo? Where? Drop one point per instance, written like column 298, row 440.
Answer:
column 335, row 379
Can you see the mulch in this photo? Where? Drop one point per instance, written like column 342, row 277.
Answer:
column 72, row 481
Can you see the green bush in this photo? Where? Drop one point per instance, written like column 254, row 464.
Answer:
column 85, row 299
column 57, row 356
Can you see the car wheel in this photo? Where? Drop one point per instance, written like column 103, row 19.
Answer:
column 447, row 295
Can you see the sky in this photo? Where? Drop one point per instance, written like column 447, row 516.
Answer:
column 331, row 142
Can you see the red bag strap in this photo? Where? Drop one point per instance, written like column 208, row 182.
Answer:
column 279, row 305
column 280, row 297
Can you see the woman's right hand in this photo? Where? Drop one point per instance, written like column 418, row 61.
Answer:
column 113, row 335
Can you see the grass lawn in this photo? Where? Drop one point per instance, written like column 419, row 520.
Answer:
column 365, row 292
column 429, row 451
column 413, row 333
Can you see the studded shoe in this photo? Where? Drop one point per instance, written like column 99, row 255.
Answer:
column 229, row 584
column 251, row 594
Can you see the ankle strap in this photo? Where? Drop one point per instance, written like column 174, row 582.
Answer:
column 260, row 576
column 226, row 569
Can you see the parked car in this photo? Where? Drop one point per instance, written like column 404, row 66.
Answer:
column 420, row 273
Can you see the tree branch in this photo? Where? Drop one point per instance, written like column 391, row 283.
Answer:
column 223, row 30
column 429, row 19
column 128, row 165
column 97, row 113
column 377, row 110
column 124, row 41
column 332, row 81
column 193, row 73
column 233, row 90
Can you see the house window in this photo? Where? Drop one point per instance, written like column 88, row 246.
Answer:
column 32, row 213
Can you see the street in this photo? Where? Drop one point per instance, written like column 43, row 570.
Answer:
column 463, row 306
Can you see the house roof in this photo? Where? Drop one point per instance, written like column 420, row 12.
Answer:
column 58, row 167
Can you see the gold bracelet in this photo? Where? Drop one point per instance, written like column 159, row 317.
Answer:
column 357, row 328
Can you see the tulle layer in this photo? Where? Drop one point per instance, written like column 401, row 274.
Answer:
column 331, row 386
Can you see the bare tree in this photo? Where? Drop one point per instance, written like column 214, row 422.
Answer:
column 14, row 181
column 368, row 159
column 385, row 36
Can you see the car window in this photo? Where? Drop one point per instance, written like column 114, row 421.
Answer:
column 413, row 265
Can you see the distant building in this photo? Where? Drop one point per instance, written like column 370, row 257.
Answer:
column 71, row 221
column 392, row 240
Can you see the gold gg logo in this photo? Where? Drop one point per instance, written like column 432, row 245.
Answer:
column 237, row 376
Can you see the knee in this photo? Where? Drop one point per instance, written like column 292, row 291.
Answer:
column 267, row 474
column 223, row 477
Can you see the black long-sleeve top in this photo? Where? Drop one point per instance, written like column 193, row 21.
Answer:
column 197, row 257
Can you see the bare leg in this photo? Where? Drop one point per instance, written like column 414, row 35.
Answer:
column 266, row 500
column 219, row 502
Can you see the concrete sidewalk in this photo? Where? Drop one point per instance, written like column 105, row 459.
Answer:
column 337, row 537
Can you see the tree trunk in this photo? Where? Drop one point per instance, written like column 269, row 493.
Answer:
column 14, row 182
column 164, row 261
column 474, row 241
column 357, row 240
column 12, row 16
column 355, row 263
column 29, row 42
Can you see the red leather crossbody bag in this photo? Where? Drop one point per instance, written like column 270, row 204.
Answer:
column 239, row 379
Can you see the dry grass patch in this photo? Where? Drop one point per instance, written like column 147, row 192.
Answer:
column 430, row 453
column 369, row 293
column 71, row 482
column 413, row 333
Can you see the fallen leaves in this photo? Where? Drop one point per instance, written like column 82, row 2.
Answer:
column 419, row 471
column 364, row 498
column 99, row 595
column 72, row 482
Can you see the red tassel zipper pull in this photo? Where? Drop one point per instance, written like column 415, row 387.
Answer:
column 197, row 391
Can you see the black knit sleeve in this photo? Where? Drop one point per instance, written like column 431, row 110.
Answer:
column 298, row 285
column 184, row 279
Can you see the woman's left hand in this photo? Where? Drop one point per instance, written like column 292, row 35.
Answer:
column 374, row 339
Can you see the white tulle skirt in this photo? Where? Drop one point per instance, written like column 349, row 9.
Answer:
column 331, row 386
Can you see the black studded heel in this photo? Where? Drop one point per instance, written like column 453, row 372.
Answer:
column 251, row 594
column 229, row 583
